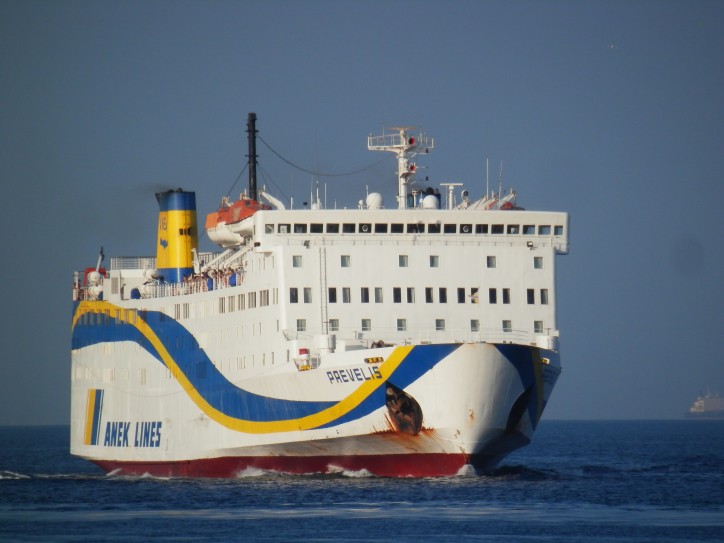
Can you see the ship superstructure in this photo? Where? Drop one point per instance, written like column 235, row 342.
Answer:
column 406, row 342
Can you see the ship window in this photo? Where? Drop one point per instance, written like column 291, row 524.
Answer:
column 403, row 261
column 466, row 228
column 450, row 228
column 558, row 230
column 493, row 296
column 332, row 295
column 397, row 295
column 507, row 326
column 506, row 295
column 544, row 296
column 293, row 295
column 410, row 295
column 332, row 228
column 474, row 325
column 366, row 325
column 428, row 295
column 315, row 228
column 498, row 229
column 434, row 261
column 346, row 295
column 530, row 293
column 296, row 261
column 344, row 261
column 544, row 230
column 528, row 229
column 365, row 228
column 300, row 228
column 365, row 295
column 401, row 325
column 416, row 228
column 481, row 228
column 538, row 262
column 348, row 228
column 307, row 295
column 442, row 295
column 301, row 325
column 440, row 325
column 263, row 298
column 538, row 327
column 378, row 295
column 433, row 228
column 513, row 229
column 380, row 228
column 397, row 228
column 461, row 295
column 491, row 261
column 474, row 295
column 334, row 325
column 268, row 228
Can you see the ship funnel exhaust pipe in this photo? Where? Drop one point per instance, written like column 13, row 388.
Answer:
column 177, row 235
column 251, row 130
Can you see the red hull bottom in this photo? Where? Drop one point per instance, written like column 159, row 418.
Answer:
column 400, row 465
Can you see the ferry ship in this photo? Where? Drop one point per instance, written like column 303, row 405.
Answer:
column 418, row 340
column 707, row 406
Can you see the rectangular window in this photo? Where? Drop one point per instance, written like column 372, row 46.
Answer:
column 296, row 261
column 332, row 296
column 440, row 325
column 498, row 229
column 513, row 229
column 365, row 228
column 365, row 295
column 344, row 261
column 301, row 325
column 474, row 295
column 268, row 228
column 380, row 228
column 528, row 229
column 558, row 230
column 397, row 228
column 461, row 295
column 450, row 228
column 434, row 261
column 530, row 294
column 466, row 228
column 544, row 230
column 346, row 295
column 300, row 228
column 507, row 326
column 401, row 325
column 378, row 295
column 506, row 295
column 428, row 295
column 538, row 262
column 334, row 325
column 366, row 325
column 348, row 228
column 307, row 295
column 403, row 261
column 474, row 325
column 493, row 296
column 397, row 295
column 538, row 327
column 410, row 295
column 283, row 229
column 442, row 295
column 293, row 295
column 544, row 296
column 416, row 228
column 433, row 228
column 315, row 228
column 481, row 228
column 491, row 261
column 332, row 228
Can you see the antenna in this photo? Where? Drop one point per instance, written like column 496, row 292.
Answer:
column 487, row 178
column 500, row 181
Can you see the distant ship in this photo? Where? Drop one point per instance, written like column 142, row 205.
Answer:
column 707, row 406
column 414, row 341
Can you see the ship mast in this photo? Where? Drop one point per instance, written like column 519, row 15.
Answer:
column 406, row 147
column 251, row 130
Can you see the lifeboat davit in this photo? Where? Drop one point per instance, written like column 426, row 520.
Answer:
column 231, row 223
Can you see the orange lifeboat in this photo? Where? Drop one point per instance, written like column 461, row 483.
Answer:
column 229, row 225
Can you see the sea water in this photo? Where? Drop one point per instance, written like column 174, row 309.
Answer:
column 647, row 481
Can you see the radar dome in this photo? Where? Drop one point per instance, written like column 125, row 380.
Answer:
column 374, row 200
column 430, row 202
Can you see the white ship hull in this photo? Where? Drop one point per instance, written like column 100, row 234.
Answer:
column 472, row 403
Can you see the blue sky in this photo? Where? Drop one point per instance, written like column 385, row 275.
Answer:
column 612, row 111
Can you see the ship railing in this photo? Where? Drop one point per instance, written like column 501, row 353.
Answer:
column 149, row 262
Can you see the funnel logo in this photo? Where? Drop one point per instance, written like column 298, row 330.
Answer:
column 94, row 407
column 163, row 243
